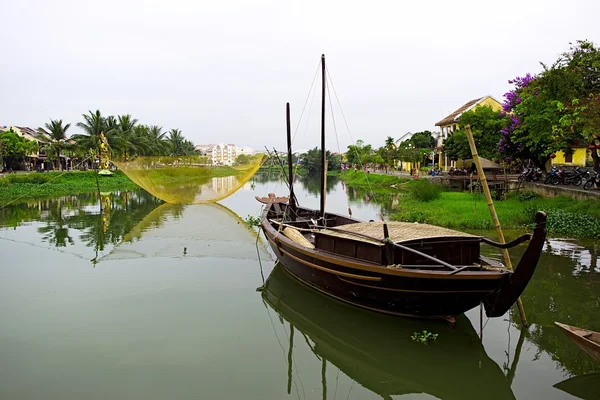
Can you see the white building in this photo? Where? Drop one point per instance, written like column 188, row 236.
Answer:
column 222, row 153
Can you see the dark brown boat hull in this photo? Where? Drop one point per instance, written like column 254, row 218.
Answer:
column 406, row 296
column 360, row 274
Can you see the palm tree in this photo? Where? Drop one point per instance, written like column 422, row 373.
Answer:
column 93, row 125
column 176, row 140
column 158, row 144
column 54, row 134
column 125, row 131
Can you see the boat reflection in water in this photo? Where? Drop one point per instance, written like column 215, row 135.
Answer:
column 585, row 387
column 377, row 351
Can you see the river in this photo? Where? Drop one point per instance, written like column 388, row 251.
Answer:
column 147, row 300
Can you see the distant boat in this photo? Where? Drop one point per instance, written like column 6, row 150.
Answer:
column 588, row 341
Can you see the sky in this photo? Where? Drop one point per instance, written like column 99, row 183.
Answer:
column 222, row 71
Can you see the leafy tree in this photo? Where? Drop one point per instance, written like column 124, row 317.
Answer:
column 54, row 134
column 14, row 149
column 359, row 153
column 312, row 161
column 486, row 125
column 422, row 140
column 556, row 110
column 456, row 146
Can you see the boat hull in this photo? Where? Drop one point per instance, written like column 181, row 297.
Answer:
column 588, row 341
column 409, row 294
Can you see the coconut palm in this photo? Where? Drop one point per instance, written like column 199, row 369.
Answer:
column 158, row 144
column 54, row 136
column 94, row 124
column 176, row 141
column 126, row 133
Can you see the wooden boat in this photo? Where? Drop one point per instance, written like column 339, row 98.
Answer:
column 455, row 366
column 405, row 269
column 588, row 341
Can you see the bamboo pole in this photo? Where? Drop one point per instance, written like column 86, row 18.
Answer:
column 490, row 203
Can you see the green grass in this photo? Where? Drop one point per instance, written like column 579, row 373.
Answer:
column 460, row 210
column 52, row 184
column 364, row 180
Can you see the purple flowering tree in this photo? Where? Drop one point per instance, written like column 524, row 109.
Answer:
column 529, row 118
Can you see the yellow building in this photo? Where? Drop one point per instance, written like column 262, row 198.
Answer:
column 579, row 157
column 450, row 124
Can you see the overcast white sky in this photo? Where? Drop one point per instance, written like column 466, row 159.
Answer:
column 223, row 70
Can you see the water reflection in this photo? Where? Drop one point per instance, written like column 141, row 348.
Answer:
column 376, row 350
column 131, row 225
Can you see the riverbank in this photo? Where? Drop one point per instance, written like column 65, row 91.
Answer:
column 461, row 210
column 364, row 180
column 51, row 184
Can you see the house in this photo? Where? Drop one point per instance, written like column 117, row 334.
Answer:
column 449, row 124
column 39, row 158
column 578, row 157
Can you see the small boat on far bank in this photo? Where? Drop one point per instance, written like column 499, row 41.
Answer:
column 588, row 341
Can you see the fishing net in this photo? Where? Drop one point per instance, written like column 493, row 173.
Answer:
column 190, row 179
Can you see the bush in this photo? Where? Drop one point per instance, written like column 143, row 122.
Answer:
column 34, row 178
column 423, row 190
column 525, row 196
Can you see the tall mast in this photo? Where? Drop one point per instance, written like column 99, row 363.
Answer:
column 292, row 201
column 323, row 157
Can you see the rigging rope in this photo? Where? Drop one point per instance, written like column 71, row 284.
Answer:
column 351, row 138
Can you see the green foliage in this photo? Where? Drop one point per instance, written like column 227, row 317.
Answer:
column 364, row 180
column 423, row 190
column 525, row 196
column 558, row 109
column 422, row 140
column 485, row 126
column 52, row 184
column 424, row 337
column 456, row 146
column 461, row 210
column 33, row 178
column 54, row 134
column 252, row 221
column 359, row 153
column 14, row 149
column 312, row 162
column 244, row 159
column 562, row 222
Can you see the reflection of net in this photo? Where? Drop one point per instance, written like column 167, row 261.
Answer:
column 189, row 179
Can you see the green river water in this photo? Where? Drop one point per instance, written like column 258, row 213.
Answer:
column 145, row 300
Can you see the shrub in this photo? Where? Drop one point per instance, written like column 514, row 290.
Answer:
column 423, row 190
column 34, row 178
column 525, row 196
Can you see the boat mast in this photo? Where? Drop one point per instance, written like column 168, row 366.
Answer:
column 323, row 156
column 292, row 201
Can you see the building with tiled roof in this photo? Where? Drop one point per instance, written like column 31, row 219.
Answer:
column 449, row 124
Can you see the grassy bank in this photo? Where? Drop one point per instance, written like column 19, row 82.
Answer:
column 460, row 210
column 376, row 181
column 51, row 184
